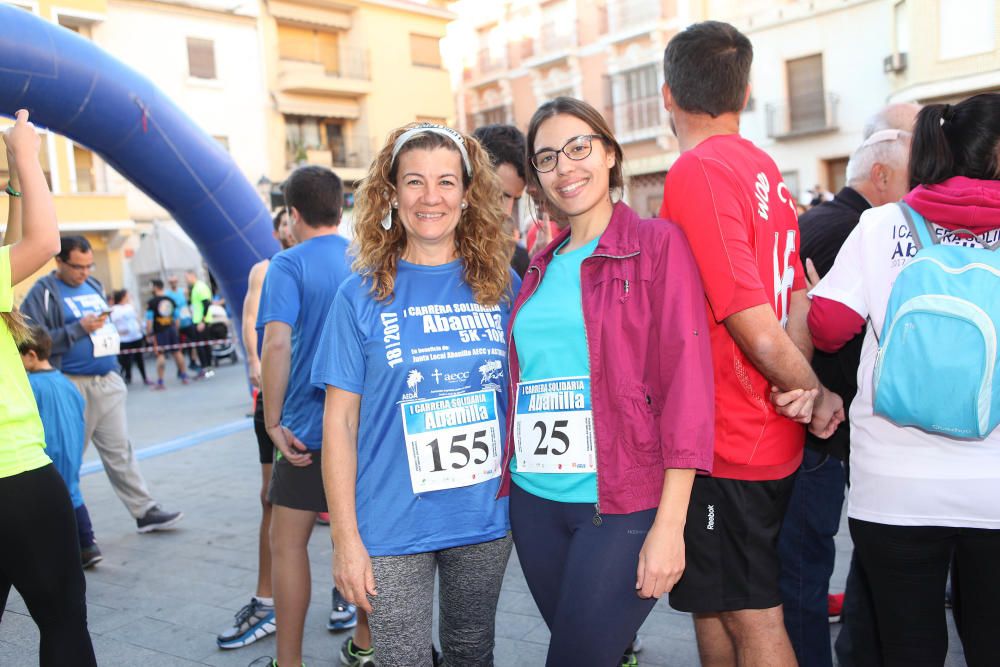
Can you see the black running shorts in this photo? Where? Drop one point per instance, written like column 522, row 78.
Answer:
column 731, row 540
column 297, row 488
column 264, row 442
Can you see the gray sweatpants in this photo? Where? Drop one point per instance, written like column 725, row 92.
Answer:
column 403, row 610
column 106, row 426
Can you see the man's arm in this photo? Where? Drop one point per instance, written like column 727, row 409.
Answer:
column 251, row 304
column 801, row 396
column 276, row 363
column 797, row 327
column 759, row 335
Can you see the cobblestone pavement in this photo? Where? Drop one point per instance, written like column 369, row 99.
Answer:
column 160, row 599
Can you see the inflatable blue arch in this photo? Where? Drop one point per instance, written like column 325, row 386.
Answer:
column 73, row 87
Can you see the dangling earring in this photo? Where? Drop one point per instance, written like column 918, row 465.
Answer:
column 465, row 205
column 387, row 220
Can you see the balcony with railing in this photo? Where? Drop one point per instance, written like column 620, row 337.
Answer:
column 491, row 60
column 556, row 36
column 343, row 73
column 638, row 119
column 802, row 115
column 347, row 152
column 626, row 15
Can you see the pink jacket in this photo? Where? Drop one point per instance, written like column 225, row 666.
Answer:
column 650, row 359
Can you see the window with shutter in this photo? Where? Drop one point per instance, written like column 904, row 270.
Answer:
column 425, row 51
column 201, row 58
column 806, row 100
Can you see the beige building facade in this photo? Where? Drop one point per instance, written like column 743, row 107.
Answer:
column 342, row 74
column 821, row 69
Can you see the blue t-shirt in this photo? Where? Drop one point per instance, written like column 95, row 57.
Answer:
column 551, row 343
column 183, row 309
column 298, row 289
column 80, row 359
column 60, row 406
column 431, row 341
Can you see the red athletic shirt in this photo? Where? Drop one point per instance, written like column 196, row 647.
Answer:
column 728, row 197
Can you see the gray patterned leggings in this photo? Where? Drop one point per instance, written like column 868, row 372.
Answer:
column 403, row 610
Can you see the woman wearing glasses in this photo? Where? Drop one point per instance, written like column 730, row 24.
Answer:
column 613, row 412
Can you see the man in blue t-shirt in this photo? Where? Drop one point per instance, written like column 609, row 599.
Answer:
column 70, row 304
column 299, row 288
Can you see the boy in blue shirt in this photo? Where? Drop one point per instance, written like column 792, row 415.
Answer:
column 60, row 406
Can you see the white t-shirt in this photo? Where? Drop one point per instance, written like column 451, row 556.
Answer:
column 901, row 475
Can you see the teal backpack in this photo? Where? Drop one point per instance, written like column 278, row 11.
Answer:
column 937, row 357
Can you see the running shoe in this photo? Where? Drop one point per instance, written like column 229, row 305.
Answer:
column 157, row 519
column 343, row 615
column 630, row 659
column 835, row 606
column 352, row 656
column 159, row 386
column 254, row 621
column 90, row 556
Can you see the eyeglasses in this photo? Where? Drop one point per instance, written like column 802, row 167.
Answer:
column 79, row 267
column 577, row 148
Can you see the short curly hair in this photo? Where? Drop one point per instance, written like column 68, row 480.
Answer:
column 481, row 242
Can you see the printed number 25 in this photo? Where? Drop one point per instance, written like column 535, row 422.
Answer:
column 462, row 450
column 542, row 448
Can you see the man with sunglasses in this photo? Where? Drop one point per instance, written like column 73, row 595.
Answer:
column 70, row 304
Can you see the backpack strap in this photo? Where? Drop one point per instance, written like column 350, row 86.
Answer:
column 923, row 234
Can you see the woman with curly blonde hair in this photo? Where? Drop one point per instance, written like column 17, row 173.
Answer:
column 414, row 363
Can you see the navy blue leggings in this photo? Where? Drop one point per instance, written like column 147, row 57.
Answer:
column 582, row 576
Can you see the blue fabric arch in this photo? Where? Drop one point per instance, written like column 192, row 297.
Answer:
column 73, row 87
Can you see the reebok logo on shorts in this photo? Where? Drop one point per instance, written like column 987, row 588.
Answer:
column 711, row 518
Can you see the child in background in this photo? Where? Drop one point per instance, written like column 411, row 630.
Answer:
column 60, row 406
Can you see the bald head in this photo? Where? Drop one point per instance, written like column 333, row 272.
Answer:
column 899, row 116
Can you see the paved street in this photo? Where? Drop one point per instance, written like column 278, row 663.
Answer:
column 160, row 599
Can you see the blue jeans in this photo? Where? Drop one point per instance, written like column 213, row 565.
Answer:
column 807, row 551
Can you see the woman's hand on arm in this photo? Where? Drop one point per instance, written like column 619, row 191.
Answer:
column 352, row 566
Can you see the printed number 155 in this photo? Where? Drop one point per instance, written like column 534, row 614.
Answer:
column 458, row 448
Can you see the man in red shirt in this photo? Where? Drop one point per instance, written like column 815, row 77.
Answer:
column 728, row 197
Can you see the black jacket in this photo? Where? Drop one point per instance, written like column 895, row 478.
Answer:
column 824, row 229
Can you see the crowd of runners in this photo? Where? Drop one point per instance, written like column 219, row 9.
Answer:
column 638, row 408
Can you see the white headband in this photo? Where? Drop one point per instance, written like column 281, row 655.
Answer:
column 425, row 128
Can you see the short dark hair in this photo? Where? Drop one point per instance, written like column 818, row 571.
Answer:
column 505, row 144
column 589, row 115
column 118, row 296
column 317, row 194
column 707, row 67
column 156, row 283
column 957, row 140
column 39, row 342
column 68, row 244
column 276, row 220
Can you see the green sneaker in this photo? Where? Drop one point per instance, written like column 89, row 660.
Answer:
column 630, row 659
column 352, row 656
